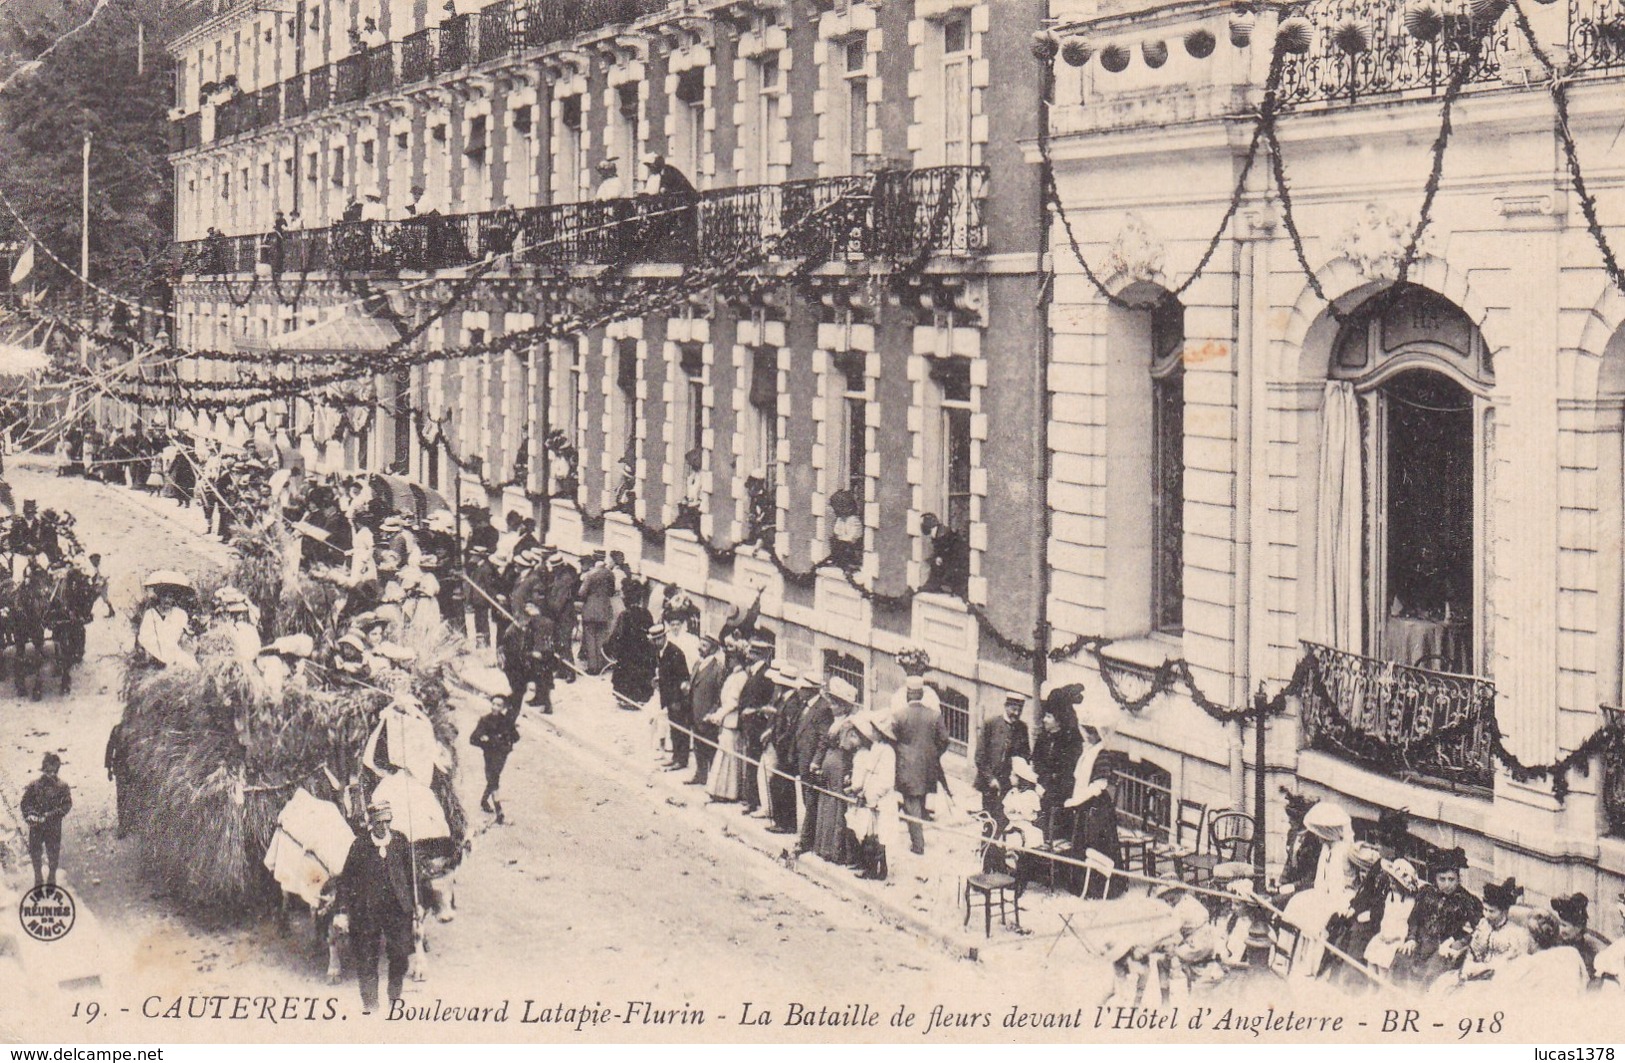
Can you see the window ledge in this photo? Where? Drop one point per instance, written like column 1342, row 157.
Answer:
column 1145, row 651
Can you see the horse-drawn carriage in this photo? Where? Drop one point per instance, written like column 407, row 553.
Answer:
column 45, row 607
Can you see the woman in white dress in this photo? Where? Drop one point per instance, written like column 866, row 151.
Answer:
column 722, row 784
column 1310, row 910
column 1397, row 905
column 874, row 782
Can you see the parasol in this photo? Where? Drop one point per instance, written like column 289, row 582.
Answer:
column 16, row 360
column 309, row 847
column 414, row 810
column 165, row 577
column 404, row 496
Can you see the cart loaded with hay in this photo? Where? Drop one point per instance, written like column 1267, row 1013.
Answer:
column 247, row 794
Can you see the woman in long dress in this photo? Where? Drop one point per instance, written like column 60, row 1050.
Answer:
column 722, row 784
column 830, row 833
column 1310, row 910
column 1094, row 822
column 631, row 652
column 874, row 782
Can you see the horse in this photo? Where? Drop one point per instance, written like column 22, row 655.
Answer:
column 53, row 604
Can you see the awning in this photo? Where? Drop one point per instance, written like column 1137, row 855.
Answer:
column 353, row 333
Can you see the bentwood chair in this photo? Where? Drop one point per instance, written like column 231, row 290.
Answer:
column 1183, row 850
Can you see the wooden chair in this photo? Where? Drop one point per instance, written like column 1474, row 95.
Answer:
column 1231, row 836
column 998, row 881
column 1134, row 841
column 1183, row 850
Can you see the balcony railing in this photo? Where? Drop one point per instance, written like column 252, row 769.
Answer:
column 1402, row 721
column 293, row 98
column 455, row 49
column 319, row 88
column 267, row 106
column 417, row 57
column 547, row 21
column 1392, row 59
column 497, row 36
column 1597, row 34
column 897, row 215
column 350, row 79
column 228, row 117
column 380, row 64
column 1613, row 775
column 186, row 132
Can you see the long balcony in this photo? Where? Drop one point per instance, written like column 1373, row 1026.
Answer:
column 499, row 31
column 901, row 215
column 1405, row 722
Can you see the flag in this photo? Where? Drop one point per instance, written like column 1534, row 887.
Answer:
column 24, row 266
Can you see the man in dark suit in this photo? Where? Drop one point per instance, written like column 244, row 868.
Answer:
column 375, row 893
column 597, row 593
column 561, row 585
column 704, row 698
column 792, row 704
column 811, row 741
column 525, row 651
column 673, row 677
column 922, row 738
column 1003, row 738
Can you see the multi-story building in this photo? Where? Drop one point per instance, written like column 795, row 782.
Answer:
column 835, row 337
column 1406, row 469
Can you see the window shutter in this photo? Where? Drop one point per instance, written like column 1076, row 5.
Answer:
column 626, row 365
column 764, row 378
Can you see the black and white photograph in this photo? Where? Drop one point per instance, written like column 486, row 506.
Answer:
column 770, row 522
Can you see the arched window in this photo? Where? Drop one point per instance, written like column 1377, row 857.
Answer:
column 1419, row 373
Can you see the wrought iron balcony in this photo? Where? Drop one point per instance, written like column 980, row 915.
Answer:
column 547, row 21
column 497, row 36
column 901, row 215
column 350, row 79
column 1363, row 47
column 319, row 88
column 228, row 117
column 1613, row 773
column 456, row 44
column 293, row 98
column 380, row 64
column 1399, row 720
column 1597, row 34
column 417, row 57
column 186, row 132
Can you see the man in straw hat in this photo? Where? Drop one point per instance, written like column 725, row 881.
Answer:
column 781, row 781
column 922, row 739
column 704, row 698
column 46, row 802
column 525, row 653
column 674, row 662
column 376, row 896
column 597, row 593
column 807, row 745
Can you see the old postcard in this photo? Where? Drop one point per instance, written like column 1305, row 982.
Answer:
column 772, row 521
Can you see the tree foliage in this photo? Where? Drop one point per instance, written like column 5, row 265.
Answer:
column 75, row 70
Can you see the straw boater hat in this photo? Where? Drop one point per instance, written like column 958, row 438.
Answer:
column 657, row 630
column 886, row 726
column 352, row 641
column 164, row 577
column 787, row 675
column 379, row 812
column 841, row 689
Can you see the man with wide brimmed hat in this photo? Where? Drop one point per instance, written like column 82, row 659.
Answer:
column 46, row 802
column 377, row 896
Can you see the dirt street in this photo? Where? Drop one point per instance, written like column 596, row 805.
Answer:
column 595, row 893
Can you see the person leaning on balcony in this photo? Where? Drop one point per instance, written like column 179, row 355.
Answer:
column 371, row 35
column 609, row 181
column 947, row 557
column 372, row 207
column 675, row 236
